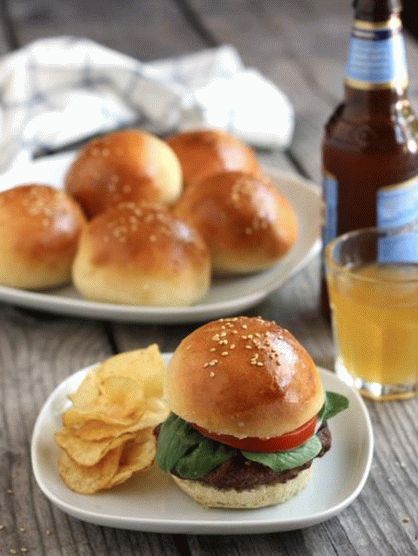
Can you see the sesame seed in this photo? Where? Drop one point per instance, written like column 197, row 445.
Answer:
column 215, row 338
column 22, row 529
column 253, row 362
column 244, row 326
column 206, row 364
column 212, row 349
column 260, row 364
column 232, row 346
column 13, row 551
column 2, row 527
column 224, row 353
column 48, row 532
column 222, row 334
column 211, row 374
column 248, row 347
column 234, row 331
column 9, row 491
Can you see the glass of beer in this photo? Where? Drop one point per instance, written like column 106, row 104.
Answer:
column 372, row 278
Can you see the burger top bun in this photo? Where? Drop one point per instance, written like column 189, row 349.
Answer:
column 126, row 165
column 244, row 377
column 208, row 152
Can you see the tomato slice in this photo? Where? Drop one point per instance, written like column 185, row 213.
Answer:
column 286, row 441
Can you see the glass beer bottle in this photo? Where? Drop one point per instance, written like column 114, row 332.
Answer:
column 370, row 156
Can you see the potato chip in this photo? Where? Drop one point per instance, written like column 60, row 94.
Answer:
column 108, row 431
column 87, row 393
column 121, row 394
column 78, row 417
column 88, row 480
column 137, row 455
column 96, row 430
column 145, row 366
column 88, row 453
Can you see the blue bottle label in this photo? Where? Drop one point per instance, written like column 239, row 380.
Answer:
column 377, row 58
column 397, row 206
column 330, row 189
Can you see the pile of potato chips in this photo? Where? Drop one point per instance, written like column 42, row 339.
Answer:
column 108, row 431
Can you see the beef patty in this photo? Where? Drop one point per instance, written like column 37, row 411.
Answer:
column 241, row 474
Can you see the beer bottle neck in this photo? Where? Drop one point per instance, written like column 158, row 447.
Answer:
column 376, row 10
column 376, row 59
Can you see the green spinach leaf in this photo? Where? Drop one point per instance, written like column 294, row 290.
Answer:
column 176, row 437
column 202, row 459
column 334, row 403
column 282, row 461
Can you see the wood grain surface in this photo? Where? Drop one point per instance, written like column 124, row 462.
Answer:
column 301, row 46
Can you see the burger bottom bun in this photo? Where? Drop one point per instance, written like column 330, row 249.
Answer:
column 264, row 495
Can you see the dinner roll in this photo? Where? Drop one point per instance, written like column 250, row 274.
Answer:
column 39, row 232
column 127, row 165
column 247, row 224
column 141, row 255
column 208, row 152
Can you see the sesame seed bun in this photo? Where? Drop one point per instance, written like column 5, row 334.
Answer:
column 258, row 497
column 39, row 232
column 246, row 222
column 141, row 255
column 204, row 153
column 127, row 165
column 244, row 377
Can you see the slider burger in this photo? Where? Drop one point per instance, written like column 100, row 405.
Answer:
column 248, row 414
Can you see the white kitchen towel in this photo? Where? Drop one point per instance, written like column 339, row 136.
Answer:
column 60, row 90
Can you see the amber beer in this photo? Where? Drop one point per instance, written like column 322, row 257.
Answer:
column 370, row 157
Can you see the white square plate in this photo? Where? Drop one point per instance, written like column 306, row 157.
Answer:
column 152, row 502
column 227, row 295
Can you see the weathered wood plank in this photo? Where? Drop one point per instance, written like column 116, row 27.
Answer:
column 36, row 354
column 147, row 30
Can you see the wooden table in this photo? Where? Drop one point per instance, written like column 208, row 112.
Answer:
column 301, row 45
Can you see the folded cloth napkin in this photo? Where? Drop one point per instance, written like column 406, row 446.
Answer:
column 60, row 90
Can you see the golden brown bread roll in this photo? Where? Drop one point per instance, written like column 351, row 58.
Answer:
column 141, row 254
column 214, row 372
column 127, row 165
column 39, row 231
column 208, row 152
column 247, row 224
